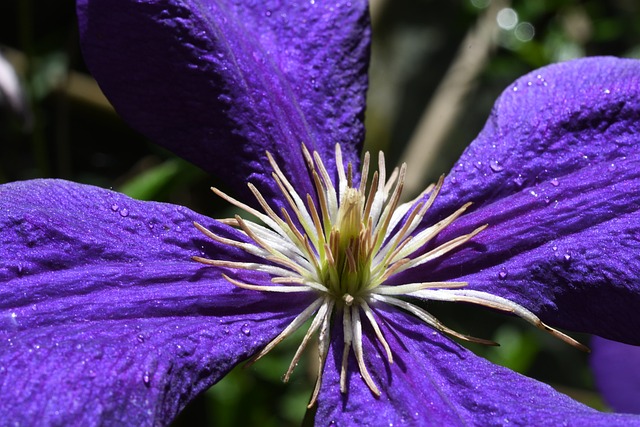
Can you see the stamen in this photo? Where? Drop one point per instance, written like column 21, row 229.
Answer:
column 357, row 349
column 291, row 328
column 497, row 303
column 267, row 288
column 348, row 338
column 430, row 320
column 343, row 243
column 414, row 287
column 323, row 350
column 442, row 249
column 426, row 235
column 265, row 268
column 376, row 328
column 364, row 174
column 315, row 324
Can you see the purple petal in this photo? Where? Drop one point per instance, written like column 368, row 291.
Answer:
column 615, row 367
column 548, row 124
column 104, row 317
column 434, row 381
column 206, row 77
column 564, row 209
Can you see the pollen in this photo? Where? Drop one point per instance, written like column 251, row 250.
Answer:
column 342, row 244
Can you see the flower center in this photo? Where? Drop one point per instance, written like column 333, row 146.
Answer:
column 343, row 245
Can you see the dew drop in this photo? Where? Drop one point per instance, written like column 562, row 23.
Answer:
column 225, row 331
column 554, row 248
column 533, row 193
column 555, row 182
column 611, row 167
column 606, row 91
column 267, row 13
column 140, row 338
column 115, row 207
column 124, row 213
column 567, row 257
column 519, row 180
column 495, row 166
column 246, row 330
column 503, row 274
column 146, row 378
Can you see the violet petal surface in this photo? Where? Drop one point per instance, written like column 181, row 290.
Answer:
column 562, row 201
column 616, row 369
column 104, row 318
column 434, row 381
column 205, row 77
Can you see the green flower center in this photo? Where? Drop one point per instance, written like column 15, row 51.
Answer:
column 343, row 246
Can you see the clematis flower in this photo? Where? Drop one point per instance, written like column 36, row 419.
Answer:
column 117, row 311
column 615, row 368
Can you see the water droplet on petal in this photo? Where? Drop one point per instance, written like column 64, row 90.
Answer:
column 555, row 182
column 140, row 338
column 503, row 274
column 495, row 166
column 606, row 91
column 246, row 330
column 124, row 213
column 519, row 180
column 146, row 378
column 533, row 193
column 115, row 207
column 267, row 13
column 567, row 257
column 612, row 167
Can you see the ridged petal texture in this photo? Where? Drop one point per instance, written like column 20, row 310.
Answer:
column 556, row 175
column 104, row 317
column 221, row 82
column 435, row 382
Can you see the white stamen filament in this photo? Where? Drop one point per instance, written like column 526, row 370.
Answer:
column 343, row 245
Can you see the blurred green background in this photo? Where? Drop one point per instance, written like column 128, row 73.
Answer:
column 437, row 68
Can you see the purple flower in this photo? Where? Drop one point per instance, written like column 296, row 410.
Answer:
column 108, row 318
column 615, row 367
